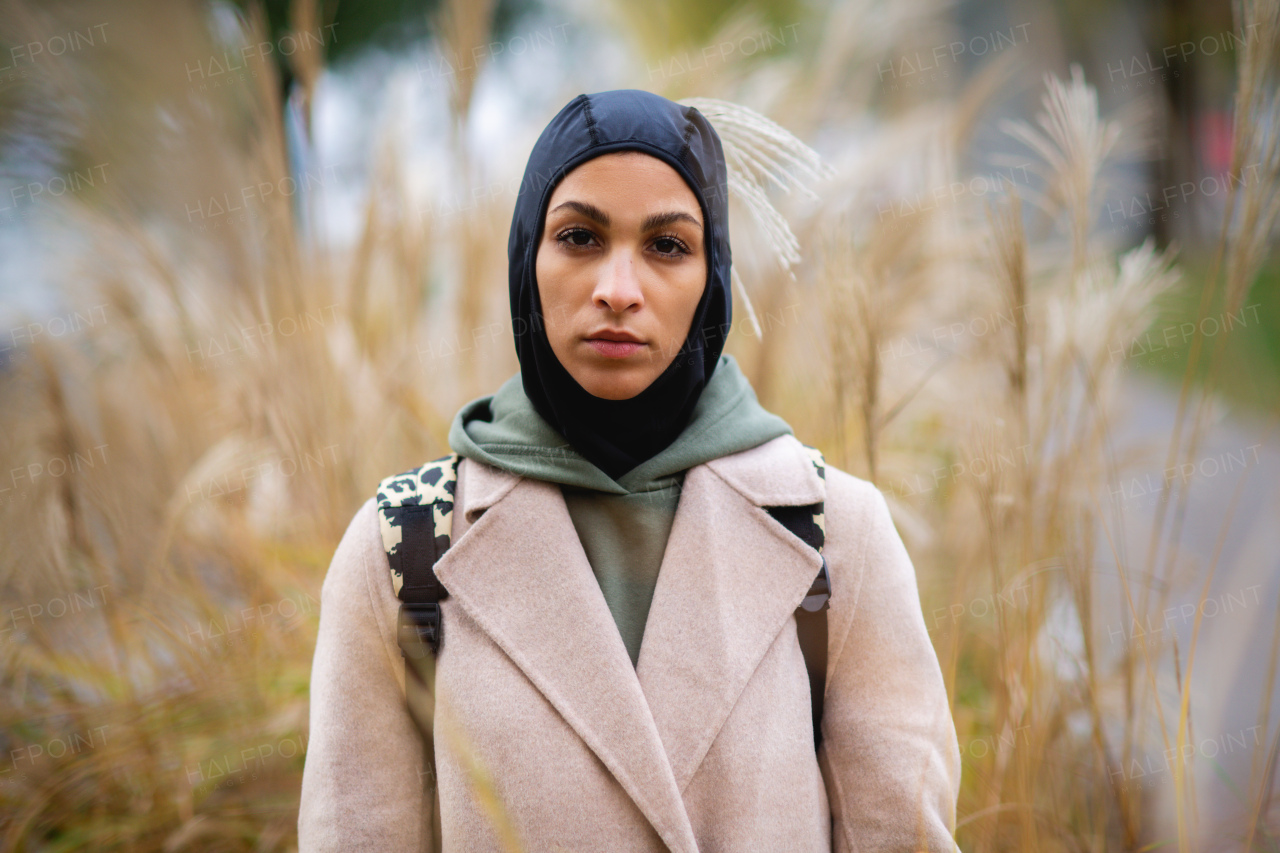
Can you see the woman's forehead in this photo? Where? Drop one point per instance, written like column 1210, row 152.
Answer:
column 626, row 174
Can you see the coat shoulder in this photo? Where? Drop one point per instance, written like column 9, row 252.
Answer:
column 862, row 542
column 850, row 488
column 852, row 500
column 358, row 588
column 361, row 545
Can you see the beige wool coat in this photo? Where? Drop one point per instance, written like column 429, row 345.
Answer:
column 706, row 745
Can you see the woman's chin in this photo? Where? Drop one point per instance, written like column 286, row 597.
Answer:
column 616, row 382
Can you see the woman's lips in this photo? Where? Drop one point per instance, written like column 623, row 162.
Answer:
column 614, row 349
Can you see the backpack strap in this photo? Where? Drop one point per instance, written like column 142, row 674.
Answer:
column 809, row 524
column 415, row 515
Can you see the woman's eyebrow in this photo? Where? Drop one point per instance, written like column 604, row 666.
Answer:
column 662, row 220
column 588, row 210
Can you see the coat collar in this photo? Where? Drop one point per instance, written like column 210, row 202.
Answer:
column 776, row 473
column 730, row 578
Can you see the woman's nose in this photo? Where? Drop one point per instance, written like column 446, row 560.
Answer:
column 618, row 286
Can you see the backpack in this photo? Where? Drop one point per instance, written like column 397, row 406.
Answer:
column 415, row 514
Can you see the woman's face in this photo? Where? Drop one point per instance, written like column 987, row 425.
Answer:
column 620, row 270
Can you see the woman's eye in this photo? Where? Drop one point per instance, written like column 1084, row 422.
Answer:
column 669, row 246
column 575, row 237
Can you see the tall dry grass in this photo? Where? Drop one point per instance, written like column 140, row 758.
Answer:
column 251, row 383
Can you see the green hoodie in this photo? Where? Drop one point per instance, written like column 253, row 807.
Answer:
column 623, row 524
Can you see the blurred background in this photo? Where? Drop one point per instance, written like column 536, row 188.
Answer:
column 253, row 259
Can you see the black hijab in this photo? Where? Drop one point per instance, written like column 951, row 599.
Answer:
column 617, row 435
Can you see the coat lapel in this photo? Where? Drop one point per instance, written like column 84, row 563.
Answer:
column 521, row 573
column 731, row 578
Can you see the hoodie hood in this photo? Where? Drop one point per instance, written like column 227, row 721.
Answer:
column 505, row 430
column 619, row 435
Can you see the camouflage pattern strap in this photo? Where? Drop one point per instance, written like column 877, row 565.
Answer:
column 819, row 517
column 809, row 523
column 415, row 516
column 433, row 484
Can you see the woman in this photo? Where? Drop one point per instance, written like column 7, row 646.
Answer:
column 620, row 667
